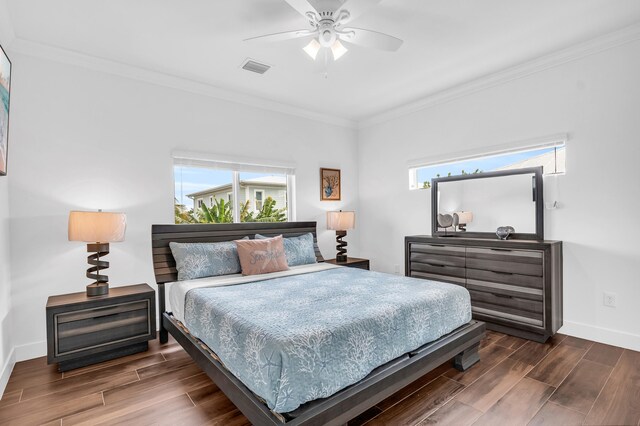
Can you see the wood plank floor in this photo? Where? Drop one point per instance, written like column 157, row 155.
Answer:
column 517, row 382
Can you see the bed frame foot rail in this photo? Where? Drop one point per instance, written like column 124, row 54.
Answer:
column 467, row 358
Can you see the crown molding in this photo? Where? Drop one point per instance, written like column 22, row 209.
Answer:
column 542, row 63
column 69, row 57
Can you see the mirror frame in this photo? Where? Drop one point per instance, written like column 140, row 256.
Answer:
column 537, row 193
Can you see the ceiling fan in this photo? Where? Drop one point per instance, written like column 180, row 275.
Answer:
column 327, row 30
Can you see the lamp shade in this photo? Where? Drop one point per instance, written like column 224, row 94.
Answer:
column 97, row 227
column 462, row 218
column 341, row 221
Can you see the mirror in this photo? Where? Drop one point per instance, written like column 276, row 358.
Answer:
column 476, row 205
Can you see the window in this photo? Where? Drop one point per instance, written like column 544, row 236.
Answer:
column 235, row 192
column 551, row 157
column 258, row 197
column 265, row 197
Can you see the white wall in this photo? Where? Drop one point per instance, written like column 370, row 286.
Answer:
column 86, row 140
column 6, row 344
column 597, row 101
column 6, row 332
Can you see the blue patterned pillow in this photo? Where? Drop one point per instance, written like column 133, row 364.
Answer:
column 299, row 250
column 197, row 260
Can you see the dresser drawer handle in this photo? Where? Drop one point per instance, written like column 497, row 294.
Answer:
column 499, row 249
column 502, row 272
column 504, row 296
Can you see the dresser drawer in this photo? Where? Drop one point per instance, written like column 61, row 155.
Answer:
column 506, row 255
column 439, row 249
column 503, row 303
column 505, row 290
column 506, row 278
column 436, row 277
column 437, row 259
column 489, row 313
column 450, row 271
column 505, row 266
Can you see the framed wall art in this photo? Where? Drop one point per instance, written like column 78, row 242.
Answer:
column 330, row 185
column 5, row 91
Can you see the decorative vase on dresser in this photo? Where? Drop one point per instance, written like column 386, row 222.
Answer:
column 515, row 285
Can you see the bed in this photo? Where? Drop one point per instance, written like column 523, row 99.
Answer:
column 261, row 341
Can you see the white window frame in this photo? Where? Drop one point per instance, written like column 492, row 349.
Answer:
column 551, row 141
column 211, row 200
column 237, row 165
column 199, row 202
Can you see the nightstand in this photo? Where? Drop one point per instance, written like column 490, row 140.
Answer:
column 352, row 262
column 85, row 330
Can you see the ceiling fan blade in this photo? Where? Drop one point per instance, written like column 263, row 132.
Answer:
column 356, row 8
column 302, row 6
column 287, row 35
column 373, row 39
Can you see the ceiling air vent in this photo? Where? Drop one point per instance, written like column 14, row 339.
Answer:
column 254, row 66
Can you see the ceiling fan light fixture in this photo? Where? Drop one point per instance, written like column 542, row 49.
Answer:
column 338, row 50
column 312, row 48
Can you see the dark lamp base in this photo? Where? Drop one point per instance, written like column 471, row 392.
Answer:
column 341, row 246
column 97, row 289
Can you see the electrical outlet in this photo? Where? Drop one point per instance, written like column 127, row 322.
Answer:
column 396, row 269
column 609, row 299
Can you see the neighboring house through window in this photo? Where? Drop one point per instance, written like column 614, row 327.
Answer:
column 245, row 187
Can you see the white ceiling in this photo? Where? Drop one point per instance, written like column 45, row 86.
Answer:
column 446, row 43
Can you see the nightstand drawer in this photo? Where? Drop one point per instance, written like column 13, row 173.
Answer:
column 351, row 262
column 91, row 328
column 362, row 265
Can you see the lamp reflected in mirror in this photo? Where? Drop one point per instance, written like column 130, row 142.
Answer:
column 461, row 220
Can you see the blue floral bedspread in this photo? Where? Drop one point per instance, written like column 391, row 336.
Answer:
column 303, row 337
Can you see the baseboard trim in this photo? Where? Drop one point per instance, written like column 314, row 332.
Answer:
column 7, row 368
column 601, row 334
column 31, row 350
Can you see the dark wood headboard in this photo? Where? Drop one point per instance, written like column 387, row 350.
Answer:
column 164, row 265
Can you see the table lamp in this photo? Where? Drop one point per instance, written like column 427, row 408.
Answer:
column 462, row 219
column 97, row 229
column 340, row 222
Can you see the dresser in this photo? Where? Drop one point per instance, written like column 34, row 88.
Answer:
column 515, row 285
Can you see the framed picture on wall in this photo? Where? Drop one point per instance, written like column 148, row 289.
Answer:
column 330, row 184
column 5, row 89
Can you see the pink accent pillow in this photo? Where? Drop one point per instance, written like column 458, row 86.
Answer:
column 262, row 256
